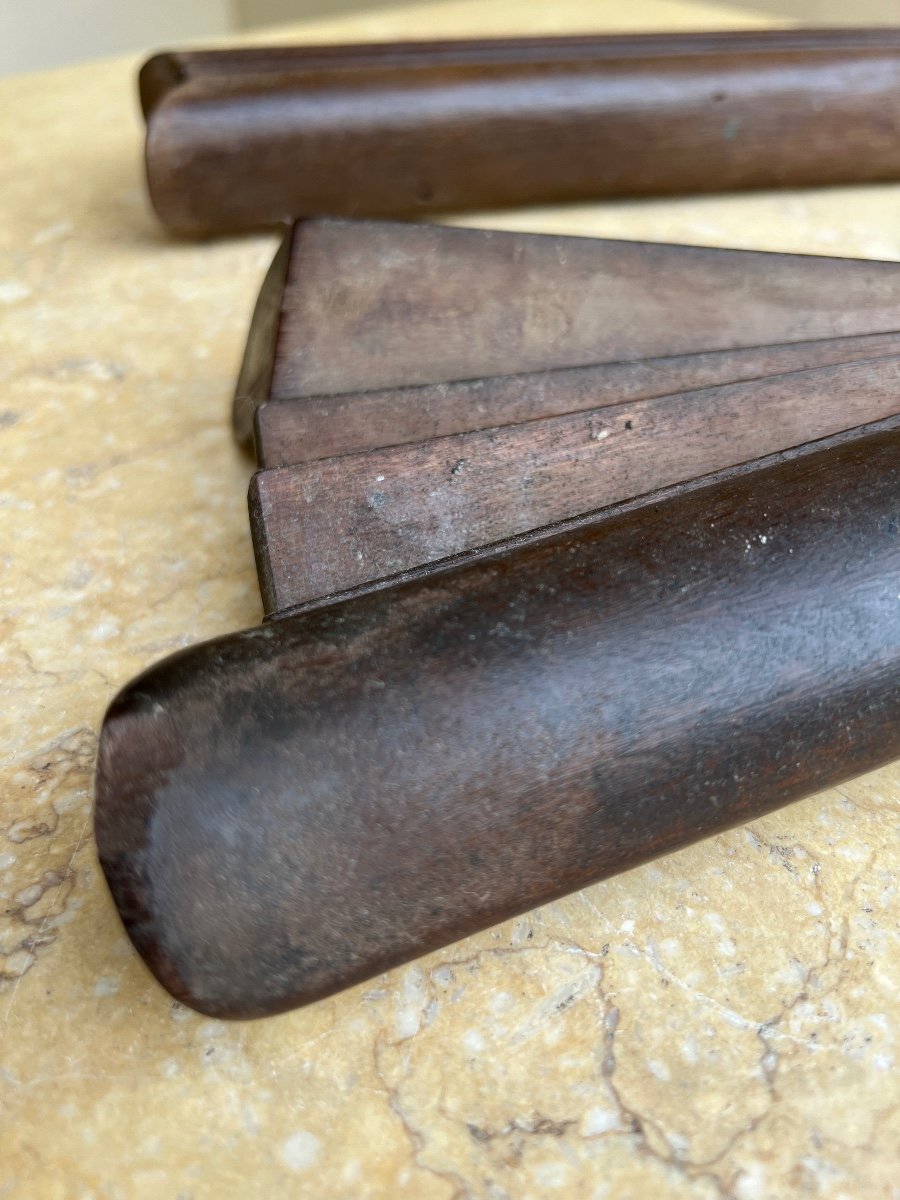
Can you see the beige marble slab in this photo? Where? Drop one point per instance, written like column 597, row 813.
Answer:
column 723, row 1023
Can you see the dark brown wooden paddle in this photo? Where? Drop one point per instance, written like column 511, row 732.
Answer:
column 287, row 811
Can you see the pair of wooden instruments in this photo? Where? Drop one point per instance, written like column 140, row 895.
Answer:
column 572, row 551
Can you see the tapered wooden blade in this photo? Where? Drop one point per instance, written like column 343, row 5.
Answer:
column 289, row 432
column 362, row 305
column 324, row 527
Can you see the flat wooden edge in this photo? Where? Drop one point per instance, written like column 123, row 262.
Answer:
column 258, row 363
column 260, row 519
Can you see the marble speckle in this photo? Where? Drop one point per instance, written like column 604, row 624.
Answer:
column 11, row 291
column 300, row 1151
column 473, row 1042
column 599, row 1120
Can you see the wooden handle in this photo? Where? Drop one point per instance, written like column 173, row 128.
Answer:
column 242, row 139
column 293, row 809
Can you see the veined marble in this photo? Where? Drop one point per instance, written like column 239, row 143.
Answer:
column 723, row 1023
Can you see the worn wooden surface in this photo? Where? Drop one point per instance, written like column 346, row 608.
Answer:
column 360, row 306
column 324, row 426
column 384, row 305
column 170, row 69
column 401, row 130
column 337, row 523
column 291, row 810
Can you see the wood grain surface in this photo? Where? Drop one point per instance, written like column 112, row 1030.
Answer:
column 249, row 138
column 325, row 526
column 169, row 69
column 283, row 812
column 365, row 305
column 324, row 426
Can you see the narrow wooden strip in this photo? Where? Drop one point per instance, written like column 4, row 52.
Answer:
column 289, row 431
column 587, row 520
column 325, row 526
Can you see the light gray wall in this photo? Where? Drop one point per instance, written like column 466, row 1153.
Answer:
column 825, row 12
column 37, row 34
column 249, row 13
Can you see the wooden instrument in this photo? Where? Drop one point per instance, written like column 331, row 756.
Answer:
column 590, row 572
column 243, row 138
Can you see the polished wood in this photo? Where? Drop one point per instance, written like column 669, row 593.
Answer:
column 325, row 526
column 290, row 810
column 324, row 426
column 245, row 138
column 164, row 71
column 353, row 306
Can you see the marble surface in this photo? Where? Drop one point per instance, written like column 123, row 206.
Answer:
column 723, row 1023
